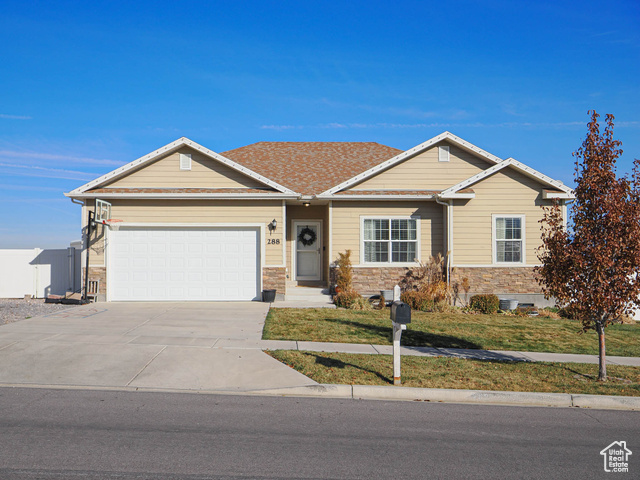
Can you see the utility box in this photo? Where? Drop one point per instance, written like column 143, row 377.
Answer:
column 400, row 312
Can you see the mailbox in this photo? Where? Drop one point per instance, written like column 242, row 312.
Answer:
column 400, row 312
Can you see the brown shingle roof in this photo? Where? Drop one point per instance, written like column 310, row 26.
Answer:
column 396, row 192
column 182, row 190
column 311, row 167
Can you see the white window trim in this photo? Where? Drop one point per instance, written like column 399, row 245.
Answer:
column 389, row 217
column 494, row 240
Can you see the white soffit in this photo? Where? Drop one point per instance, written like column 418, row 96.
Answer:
column 451, row 192
column 448, row 136
column 169, row 148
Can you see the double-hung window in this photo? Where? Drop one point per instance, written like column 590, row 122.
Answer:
column 508, row 239
column 390, row 240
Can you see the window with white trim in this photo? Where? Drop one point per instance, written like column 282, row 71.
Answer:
column 390, row 240
column 185, row 161
column 508, row 238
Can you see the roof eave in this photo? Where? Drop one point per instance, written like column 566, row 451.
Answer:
column 376, row 197
column 178, row 196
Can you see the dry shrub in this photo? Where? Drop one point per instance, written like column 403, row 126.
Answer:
column 484, row 303
column 360, row 303
column 545, row 312
column 346, row 299
column 344, row 272
column 425, row 273
column 381, row 303
column 425, row 288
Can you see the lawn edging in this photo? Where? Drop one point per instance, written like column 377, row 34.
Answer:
column 443, row 395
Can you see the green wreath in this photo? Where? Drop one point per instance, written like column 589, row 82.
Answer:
column 307, row 236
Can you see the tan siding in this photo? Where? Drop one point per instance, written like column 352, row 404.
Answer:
column 424, row 171
column 506, row 192
column 201, row 211
column 346, row 224
column 205, row 172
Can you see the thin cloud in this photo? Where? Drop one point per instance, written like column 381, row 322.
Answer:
column 15, row 117
column 279, row 127
column 336, row 125
column 5, row 186
column 12, row 154
column 36, row 171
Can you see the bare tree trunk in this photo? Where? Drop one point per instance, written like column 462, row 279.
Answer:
column 602, row 373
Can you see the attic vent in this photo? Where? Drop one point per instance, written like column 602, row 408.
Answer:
column 443, row 154
column 185, row 161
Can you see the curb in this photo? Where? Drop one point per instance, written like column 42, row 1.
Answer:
column 389, row 393
column 483, row 397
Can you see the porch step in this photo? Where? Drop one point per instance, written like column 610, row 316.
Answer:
column 308, row 294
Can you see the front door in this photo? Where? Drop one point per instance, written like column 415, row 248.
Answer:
column 308, row 250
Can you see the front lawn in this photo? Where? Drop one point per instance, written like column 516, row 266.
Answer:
column 440, row 372
column 453, row 330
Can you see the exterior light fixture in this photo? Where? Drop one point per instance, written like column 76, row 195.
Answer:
column 273, row 224
column 306, row 204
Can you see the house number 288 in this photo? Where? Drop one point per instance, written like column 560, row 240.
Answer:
column 273, row 241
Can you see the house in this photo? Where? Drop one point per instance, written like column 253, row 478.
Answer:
column 200, row 225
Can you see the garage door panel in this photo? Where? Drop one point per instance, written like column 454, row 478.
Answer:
column 166, row 263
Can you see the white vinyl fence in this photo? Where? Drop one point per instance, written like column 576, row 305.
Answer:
column 39, row 272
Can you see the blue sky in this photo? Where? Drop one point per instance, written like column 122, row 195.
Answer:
column 88, row 86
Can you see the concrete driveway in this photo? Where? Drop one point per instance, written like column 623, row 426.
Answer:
column 182, row 346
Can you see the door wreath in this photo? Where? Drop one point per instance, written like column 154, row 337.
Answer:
column 307, row 236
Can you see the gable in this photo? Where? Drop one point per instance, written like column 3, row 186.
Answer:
column 166, row 173
column 512, row 185
column 425, row 171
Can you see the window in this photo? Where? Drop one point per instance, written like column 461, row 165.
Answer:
column 390, row 240
column 185, row 161
column 443, row 154
column 509, row 239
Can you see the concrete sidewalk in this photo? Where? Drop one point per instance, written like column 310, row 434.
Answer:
column 503, row 355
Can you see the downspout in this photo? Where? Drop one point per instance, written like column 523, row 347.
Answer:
column 449, row 205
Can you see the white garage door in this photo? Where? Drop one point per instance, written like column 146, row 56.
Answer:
column 200, row 264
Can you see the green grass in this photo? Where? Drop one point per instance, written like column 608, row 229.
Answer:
column 453, row 330
column 440, row 372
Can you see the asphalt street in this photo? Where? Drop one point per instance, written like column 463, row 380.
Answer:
column 84, row 434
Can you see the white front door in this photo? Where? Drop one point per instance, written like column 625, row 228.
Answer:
column 308, row 240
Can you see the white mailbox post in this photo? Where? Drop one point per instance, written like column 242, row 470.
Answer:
column 400, row 317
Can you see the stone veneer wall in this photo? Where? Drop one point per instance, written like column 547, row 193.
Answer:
column 97, row 273
column 274, row 277
column 498, row 280
column 370, row 280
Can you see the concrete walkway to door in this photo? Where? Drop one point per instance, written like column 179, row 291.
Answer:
column 182, row 346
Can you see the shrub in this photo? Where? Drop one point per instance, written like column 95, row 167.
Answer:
column 381, row 303
column 433, row 271
column 344, row 272
column 360, row 303
column 345, row 299
column 484, row 303
column 414, row 299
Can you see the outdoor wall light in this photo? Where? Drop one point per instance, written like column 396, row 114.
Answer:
column 306, row 204
column 273, row 225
